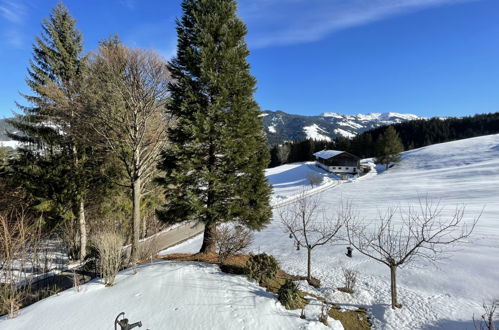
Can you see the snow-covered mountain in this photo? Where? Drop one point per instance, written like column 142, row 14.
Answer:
column 281, row 126
column 6, row 141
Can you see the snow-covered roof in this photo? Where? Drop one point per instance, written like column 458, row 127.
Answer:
column 326, row 154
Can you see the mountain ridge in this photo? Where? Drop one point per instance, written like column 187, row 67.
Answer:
column 281, row 126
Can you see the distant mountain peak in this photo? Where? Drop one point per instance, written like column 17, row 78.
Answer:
column 281, row 126
column 374, row 116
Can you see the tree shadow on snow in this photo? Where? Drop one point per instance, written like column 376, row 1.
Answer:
column 451, row 325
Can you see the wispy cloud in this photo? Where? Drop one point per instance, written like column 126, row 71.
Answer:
column 14, row 15
column 284, row 22
column 13, row 11
column 130, row 4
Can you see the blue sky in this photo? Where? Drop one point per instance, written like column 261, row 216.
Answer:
column 427, row 57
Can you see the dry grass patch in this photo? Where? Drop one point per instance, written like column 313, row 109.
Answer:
column 351, row 320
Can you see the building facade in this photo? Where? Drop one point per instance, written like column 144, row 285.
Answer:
column 336, row 161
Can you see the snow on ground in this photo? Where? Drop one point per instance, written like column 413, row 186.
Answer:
column 291, row 180
column 314, row 132
column 442, row 296
column 10, row 144
column 445, row 296
column 167, row 295
column 344, row 133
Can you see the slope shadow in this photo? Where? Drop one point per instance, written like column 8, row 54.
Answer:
column 451, row 325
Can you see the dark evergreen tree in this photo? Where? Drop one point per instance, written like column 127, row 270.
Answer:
column 215, row 166
column 389, row 147
column 53, row 161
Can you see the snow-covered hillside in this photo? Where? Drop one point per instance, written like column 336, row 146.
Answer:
column 281, row 126
column 435, row 296
column 442, row 296
column 313, row 132
column 165, row 295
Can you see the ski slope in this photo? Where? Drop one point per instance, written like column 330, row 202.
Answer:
column 441, row 296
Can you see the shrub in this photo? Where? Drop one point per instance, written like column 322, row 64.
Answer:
column 148, row 248
column 314, row 178
column 231, row 240
column 350, row 280
column 262, row 267
column 289, row 295
column 109, row 246
column 10, row 300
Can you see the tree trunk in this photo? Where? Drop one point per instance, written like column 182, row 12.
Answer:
column 136, row 221
column 393, row 277
column 83, row 230
column 309, row 264
column 209, row 242
column 144, row 227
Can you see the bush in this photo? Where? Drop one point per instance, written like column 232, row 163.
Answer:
column 289, row 295
column 148, row 248
column 262, row 267
column 350, row 280
column 231, row 240
column 314, row 178
column 10, row 300
column 109, row 246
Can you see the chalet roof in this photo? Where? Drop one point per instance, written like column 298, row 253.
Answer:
column 326, row 154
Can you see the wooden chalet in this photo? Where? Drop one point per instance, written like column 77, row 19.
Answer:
column 336, row 161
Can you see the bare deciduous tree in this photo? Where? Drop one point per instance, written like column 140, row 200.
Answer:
column 310, row 226
column 487, row 320
column 231, row 240
column 314, row 178
column 400, row 236
column 19, row 240
column 128, row 93
column 283, row 152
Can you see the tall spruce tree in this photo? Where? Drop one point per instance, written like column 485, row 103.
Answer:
column 389, row 147
column 215, row 166
column 53, row 163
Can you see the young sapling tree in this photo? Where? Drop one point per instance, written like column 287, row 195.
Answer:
column 400, row 236
column 310, row 226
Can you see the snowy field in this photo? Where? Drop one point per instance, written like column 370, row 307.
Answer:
column 291, row 180
column 442, row 296
column 445, row 295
